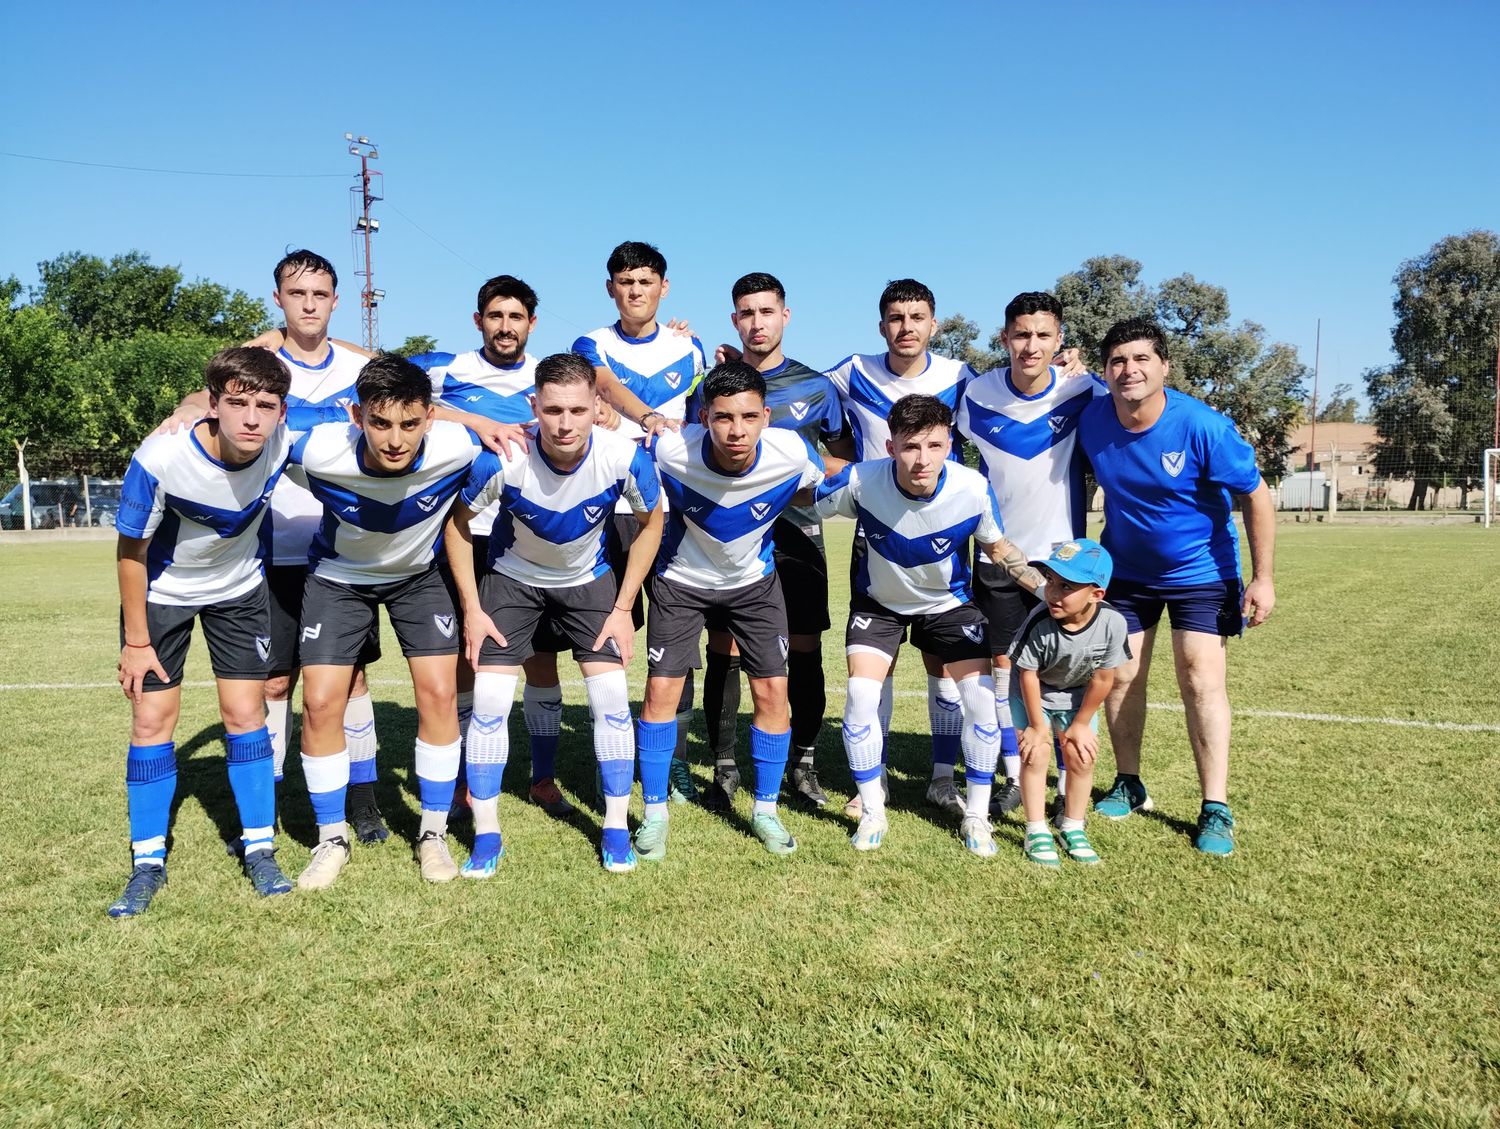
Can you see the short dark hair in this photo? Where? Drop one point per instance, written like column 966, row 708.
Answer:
column 251, row 369
column 756, row 282
column 1133, row 329
column 389, row 378
column 906, row 290
column 730, row 379
column 1033, row 302
column 507, row 286
column 564, row 368
column 633, row 255
column 913, row 414
column 294, row 262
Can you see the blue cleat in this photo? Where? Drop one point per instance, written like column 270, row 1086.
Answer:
column 1215, row 830
column 145, row 881
column 616, row 852
column 485, row 858
column 265, row 874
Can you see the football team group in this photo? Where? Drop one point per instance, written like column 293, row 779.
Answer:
column 503, row 509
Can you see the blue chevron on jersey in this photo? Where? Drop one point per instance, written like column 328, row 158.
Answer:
column 203, row 517
column 868, row 390
column 468, row 382
column 661, row 368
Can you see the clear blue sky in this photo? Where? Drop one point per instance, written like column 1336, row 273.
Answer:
column 1292, row 153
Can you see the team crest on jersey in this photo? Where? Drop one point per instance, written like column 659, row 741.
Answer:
column 591, row 513
column 673, row 379
column 974, row 632
column 799, row 410
column 758, row 510
column 426, row 503
column 862, row 623
column 1066, row 552
column 1058, row 424
column 941, row 544
column 655, row 654
column 444, row 624
column 263, row 647
column 1173, row 461
column 781, row 642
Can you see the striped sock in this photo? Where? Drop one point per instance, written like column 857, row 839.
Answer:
column 150, row 784
column 248, row 758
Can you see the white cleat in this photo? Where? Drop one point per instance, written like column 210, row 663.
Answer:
column 434, row 859
column 978, row 839
column 328, row 859
column 870, row 833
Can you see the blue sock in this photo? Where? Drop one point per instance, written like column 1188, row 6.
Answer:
column 543, row 756
column 437, row 770
column 328, row 789
column 150, row 784
column 617, row 776
column 485, row 779
column 1010, row 751
column 253, row 782
column 655, row 741
column 769, row 752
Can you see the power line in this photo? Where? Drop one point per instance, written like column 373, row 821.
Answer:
column 180, row 172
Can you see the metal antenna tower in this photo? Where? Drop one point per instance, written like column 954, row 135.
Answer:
column 369, row 188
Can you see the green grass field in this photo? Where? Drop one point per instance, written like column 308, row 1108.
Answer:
column 1341, row 969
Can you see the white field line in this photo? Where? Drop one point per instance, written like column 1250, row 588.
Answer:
column 838, row 692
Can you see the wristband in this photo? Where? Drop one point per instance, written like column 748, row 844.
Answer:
column 620, row 609
column 138, row 646
column 648, row 415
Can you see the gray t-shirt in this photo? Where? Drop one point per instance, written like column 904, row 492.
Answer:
column 1066, row 660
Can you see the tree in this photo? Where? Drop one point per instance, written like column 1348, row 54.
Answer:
column 416, row 345
column 954, row 337
column 1415, row 427
column 1103, row 291
column 1447, row 309
column 1340, row 407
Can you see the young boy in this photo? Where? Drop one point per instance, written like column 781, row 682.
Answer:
column 544, row 573
column 917, row 510
column 385, row 483
column 189, row 527
column 1067, row 653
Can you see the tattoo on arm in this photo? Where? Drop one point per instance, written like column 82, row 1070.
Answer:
column 1013, row 561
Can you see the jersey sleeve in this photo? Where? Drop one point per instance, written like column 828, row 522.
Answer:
column 813, row 472
column 306, row 417
column 587, row 348
column 640, row 487
column 834, row 497
column 485, row 480
column 831, row 421
column 1116, row 641
column 435, row 365
column 990, row 528
column 142, row 501
column 1229, row 461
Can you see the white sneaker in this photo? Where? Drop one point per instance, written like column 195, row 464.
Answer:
column 977, row 836
column 434, row 859
column 943, row 793
column 870, row 833
column 328, row 858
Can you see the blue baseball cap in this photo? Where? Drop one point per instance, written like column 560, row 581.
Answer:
column 1083, row 562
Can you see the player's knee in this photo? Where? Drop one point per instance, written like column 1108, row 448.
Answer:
column 493, row 694
column 541, row 669
column 608, row 694
column 862, row 701
column 976, row 694
column 278, row 687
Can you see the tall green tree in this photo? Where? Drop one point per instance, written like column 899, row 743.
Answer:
column 954, row 337
column 416, row 345
column 1447, row 309
column 1340, row 407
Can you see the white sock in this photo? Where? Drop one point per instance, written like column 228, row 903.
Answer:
column 614, row 732
column 488, row 744
column 359, row 730
column 980, row 738
column 1036, row 827
column 861, row 739
column 1066, row 824
column 654, row 811
column 872, row 796
column 887, row 703
column 437, row 764
column 278, row 725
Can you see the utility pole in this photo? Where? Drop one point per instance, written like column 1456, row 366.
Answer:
column 369, row 188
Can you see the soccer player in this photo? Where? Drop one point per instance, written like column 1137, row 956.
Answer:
column 1169, row 465
column 495, row 384
column 385, row 483
column 546, row 567
column 1066, row 653
column 869, row 385
column 1023, row 420
column 646, row 374
column 726, row 482
column 189, row 525
column 803, row 400
column 918, row 510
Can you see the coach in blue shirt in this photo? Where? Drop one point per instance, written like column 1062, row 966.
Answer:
column 1169, row 464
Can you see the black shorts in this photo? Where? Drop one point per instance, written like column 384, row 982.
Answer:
column 546, row 641
column 519, row 610
column 286, row 584
column 619, row 535
column 237, row 631
column 754, row 616
column 338, row 618
column 1212, row 609
column 955, row 635
column 803, row 570
column 1004, row 603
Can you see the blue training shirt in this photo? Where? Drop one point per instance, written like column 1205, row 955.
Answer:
column 1168, row 515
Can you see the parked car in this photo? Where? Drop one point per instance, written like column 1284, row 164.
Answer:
column 60, row 502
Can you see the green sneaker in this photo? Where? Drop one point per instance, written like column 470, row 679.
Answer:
column 651, row 838
column 1127, row 794
column 684, row 789
column 1041, row 849
column 769, row 830
column 1079, row 848
column 1215, row 830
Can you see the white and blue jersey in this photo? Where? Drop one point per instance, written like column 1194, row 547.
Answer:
column 205, row 519
column 379, row 527
column 551, row 525
column 1168, row 514
column 320, row 393
column 719, row 525
column 1028, row 448
column 468, row 382
column 917, row 562
column 868, row 390
column 661, row 368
